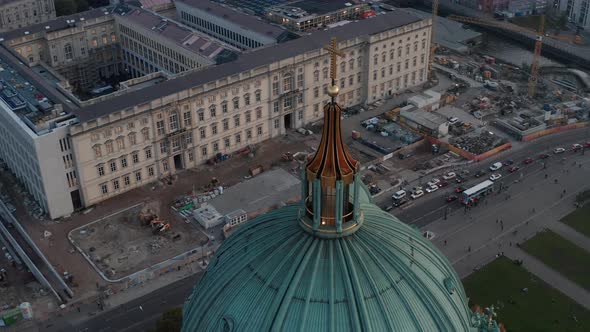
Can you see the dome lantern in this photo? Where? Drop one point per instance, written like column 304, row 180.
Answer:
column 331, row 175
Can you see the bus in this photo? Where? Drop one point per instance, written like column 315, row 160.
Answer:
column 473, row 193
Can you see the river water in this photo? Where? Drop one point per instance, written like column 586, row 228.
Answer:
column 510, row 51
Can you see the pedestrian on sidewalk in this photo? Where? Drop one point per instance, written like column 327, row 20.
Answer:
column 445, row 242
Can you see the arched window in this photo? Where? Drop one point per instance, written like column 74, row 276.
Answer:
column 68, row 51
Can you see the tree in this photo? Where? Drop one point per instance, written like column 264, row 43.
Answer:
column 171, row 321
column 65, row 7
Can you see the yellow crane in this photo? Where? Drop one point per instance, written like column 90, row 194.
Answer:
column 540, row 34
column 433, row 45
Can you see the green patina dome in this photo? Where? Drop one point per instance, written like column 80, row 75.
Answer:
column 273, row 275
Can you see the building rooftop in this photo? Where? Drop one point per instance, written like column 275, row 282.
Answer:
column 255, row 6
column 57, row 24
column 246, row 21
column 449, row 34
column 28, row 102
column 271, row 187
column 321, row 7
column 247, row 61
column 175, row 32
column 429, row 120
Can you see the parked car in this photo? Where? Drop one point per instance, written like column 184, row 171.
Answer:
column 543, row 156
column 433, row 182
column 576, row 147
column 587, row 145
column 496, row 166
column 495, row 176
column 459, row 179
column 459, row 190
column 452, row 198
column 449, row 175
column 399, row 195
column 442, row 184
column 417, row 194
column 558, row 150
column 513, row 169
column 479, row 173
column 400, row 202
column 527, row 161
column 508, row 162
column 431, row 189
column 453, row 120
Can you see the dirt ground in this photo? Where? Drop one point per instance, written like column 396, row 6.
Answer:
column 62, row 254
column 120, row 245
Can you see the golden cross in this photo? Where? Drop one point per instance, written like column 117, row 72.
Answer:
column 332, row 48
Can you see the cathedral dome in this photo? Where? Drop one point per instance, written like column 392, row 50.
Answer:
column 333, row 262
column 273, row 275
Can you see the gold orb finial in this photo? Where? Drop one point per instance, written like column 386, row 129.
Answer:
column 333, row 90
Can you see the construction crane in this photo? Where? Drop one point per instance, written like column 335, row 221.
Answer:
column 433, row 45
column 540, row 34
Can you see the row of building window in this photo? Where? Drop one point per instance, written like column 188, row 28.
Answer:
column 125, row 181
column 406, row 66
column 326, row 70
column 113, row 164
column 231, row 37
column 149, row 48
column 120, row 141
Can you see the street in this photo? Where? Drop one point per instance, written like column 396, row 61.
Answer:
column 431, row 207
column 138, row 315
column 141, row 314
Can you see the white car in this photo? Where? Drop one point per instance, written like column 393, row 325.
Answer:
column 496, row 166
column 417, row 194
column 429, row 235
column 399, row 195
column 433, row 182
column 453, row 120
column 558, row 150
column 431, row 189
column 495, row 177
column 449, row 175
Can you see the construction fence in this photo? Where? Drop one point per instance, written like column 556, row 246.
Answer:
column 554, row 130
column 468, row 155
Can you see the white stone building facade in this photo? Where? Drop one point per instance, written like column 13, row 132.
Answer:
column 123, row 150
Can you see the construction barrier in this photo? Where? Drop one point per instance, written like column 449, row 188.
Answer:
column 468, row 155
column 553, row 130
column 493, row 152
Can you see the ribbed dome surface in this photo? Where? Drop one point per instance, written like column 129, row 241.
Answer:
column 272, row 275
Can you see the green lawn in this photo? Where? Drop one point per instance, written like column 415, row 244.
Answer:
column 561, row 255
column 579, row 220
column 540, row 309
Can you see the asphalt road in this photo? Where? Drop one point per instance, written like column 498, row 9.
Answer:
column 431, row 206
column 139, row 315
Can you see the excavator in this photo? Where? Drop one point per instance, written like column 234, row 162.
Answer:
column 159, row 226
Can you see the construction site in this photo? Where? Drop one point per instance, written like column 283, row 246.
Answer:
column 135, row 239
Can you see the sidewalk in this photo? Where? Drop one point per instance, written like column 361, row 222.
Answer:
column 550, row 276
column 472, row 239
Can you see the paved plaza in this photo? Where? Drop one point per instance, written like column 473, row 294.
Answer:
column 508, row 218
